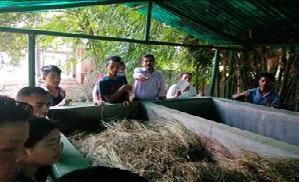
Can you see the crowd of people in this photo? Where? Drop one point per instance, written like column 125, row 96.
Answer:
column 30, row 143
column 149, row 83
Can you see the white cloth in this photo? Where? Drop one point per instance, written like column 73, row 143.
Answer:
column 174, row 88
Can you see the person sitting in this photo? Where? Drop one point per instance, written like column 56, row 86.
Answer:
column 52, row 78
column 262, row 95
column 43, row 148
column 183, row 89
column 114, row 87
column 101, row 173
column 97, row 100
column 14, row 131
column 149, row 82
column 37, row 97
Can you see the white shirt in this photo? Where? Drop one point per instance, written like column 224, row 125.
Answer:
column 151, row 88
column 174, row 88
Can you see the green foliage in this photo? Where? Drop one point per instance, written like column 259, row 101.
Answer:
column 111, row 21
column 121, row 21
column 15, row 44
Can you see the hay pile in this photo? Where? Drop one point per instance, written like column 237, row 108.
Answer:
column 166, row 151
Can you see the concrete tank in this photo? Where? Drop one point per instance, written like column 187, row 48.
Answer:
column 237, row 126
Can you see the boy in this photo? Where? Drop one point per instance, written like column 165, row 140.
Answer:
column 14, row 131
column 262, row 95
column 149, row 83
column 52, row 78
column 37, row 97
column 113, row 87
column 97, row 100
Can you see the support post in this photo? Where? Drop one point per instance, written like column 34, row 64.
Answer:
column 148, row 20
column 230, row 75
column 215, row 72
column 31, row 59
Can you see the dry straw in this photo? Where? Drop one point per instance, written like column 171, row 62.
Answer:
column 166, row 151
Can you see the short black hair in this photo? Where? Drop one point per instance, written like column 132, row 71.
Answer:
column 12, row 110
column 113, row 58
column 40, row 127
column 188, row 73
column 28, row 91
column 101, row 173
column 148, row 56
column 122, row 63
column 268, row 75
column 50, row 68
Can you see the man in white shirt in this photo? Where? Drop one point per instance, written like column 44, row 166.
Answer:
column 182, row 89
column 149, row 83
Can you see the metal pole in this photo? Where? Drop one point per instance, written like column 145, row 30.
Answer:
column 215, row 72
column 31, row 59
column 230, row 77
column 148, row 20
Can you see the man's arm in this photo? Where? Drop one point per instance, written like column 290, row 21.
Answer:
column 94, row 94
column 241, row 95
column 64, row 101
column 117, row 94
column 276, row 101
column 171, row 93
column 139, row 75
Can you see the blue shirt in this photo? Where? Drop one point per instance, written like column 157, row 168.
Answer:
column 108, row 87
column 257, row 98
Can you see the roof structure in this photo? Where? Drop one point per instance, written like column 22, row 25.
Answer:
column 220, row 22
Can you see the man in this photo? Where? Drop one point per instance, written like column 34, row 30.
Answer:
column 114, row 87
column 37, row 97
column 264, row 94
column 14, row 131
column 97, row 100
column 149, row 83
column 183, row 89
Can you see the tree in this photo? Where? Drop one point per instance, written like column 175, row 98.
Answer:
column 119, row 21
column 11, row 43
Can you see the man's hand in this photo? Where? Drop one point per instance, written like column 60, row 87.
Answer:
column 177, row 94
column 143, row 78
column 125, row 87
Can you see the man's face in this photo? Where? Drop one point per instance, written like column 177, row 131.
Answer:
column 148, row 63
column 265, row 84
column 40, row 103
column 52, row 79
column 121, row 69
column 113, row 67
column 46, row 151
column 12, row 138
column 187, row 77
